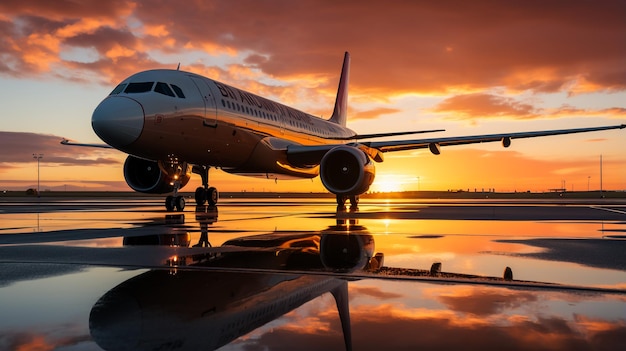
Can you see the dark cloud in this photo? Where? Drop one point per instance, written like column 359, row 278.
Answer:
column 18, row 147
column 104, row 39
column 62, row 9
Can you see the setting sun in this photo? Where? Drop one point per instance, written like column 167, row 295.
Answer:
column 387, row 182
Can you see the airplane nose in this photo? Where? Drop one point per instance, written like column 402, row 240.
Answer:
column 118, row 121
column 115, row 321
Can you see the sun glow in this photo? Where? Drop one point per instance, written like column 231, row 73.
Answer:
column 386, row 183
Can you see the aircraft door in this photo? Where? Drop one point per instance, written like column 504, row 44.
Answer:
column 210, row 110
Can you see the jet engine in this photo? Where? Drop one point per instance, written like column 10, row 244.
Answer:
column 155, row 177
column 346, row 252
column 346, row 170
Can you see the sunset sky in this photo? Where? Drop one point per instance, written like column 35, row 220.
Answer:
column 470, row 67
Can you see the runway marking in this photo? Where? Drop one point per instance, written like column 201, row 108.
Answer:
column 608, row 209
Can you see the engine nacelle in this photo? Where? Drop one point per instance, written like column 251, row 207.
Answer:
column 346, row 170
column 346, row 252
column 147, row 176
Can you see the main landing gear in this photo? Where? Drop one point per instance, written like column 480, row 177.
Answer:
column 205, row 193
column 341, row 201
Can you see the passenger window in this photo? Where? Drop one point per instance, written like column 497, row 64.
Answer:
column 178, row 91
column 142, row 87
column 164, row 89
column 118, row 89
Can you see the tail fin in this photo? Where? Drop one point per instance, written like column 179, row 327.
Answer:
column 343, row 306
column 340, row 113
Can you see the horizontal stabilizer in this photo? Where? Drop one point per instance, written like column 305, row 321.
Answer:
column 71, row 143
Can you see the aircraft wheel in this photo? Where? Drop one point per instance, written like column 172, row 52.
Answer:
column 212, row 196
column 179, row 203
column 201, row 196
column 169, row 203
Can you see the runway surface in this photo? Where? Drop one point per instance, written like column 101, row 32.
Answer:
column 122, row 273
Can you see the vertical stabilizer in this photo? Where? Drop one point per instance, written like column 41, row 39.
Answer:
column 340, row 113
column 343, row 306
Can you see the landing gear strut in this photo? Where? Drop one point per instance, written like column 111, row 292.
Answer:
column 205, row 193
column 178, row 172
column 354, row 201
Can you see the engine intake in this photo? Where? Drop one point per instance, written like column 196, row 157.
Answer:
column 147, row 176
column 346, row 252
column 346, row 170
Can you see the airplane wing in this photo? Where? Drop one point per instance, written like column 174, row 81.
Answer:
column 435, row 143
column 310, row 155
column 71, row 143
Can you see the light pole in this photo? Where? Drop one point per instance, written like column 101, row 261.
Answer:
column 38, row 157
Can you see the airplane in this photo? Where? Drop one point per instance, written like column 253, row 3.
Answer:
column 209, row 300
column 173, row 123
column 204, row 309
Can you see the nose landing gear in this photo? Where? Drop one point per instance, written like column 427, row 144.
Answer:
column 178, row 173
column 174, row 202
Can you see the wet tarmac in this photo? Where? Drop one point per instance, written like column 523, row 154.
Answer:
column 287, row 274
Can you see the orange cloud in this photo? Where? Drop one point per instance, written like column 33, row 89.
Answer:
column 414, row 47
column 408, row 328
column 486, row 105
column 374, row 113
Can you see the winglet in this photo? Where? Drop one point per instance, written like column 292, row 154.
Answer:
column 340, row 113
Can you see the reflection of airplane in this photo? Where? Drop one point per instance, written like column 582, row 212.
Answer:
column 174, row 123
column 206, row 309
column 194, row 310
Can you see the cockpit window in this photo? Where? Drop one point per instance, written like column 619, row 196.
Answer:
column 118, row 89
column 141, row 87
column 178, row 91
column 164, row 89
